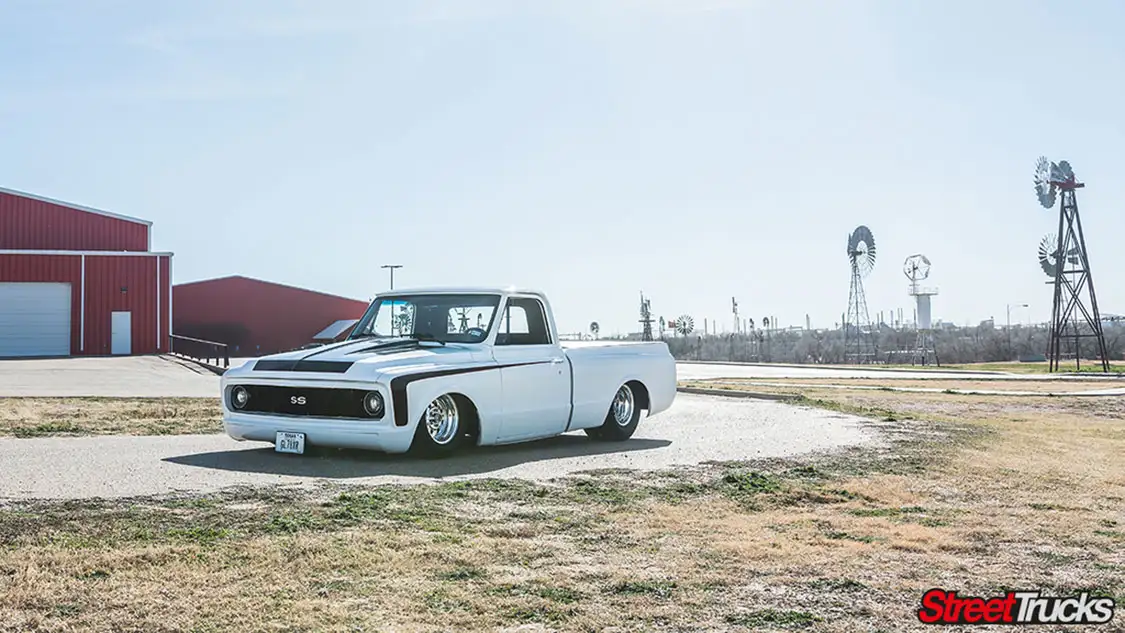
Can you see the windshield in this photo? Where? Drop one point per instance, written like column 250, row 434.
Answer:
column 440, row 317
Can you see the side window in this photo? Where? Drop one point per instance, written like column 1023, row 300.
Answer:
column 524, row 322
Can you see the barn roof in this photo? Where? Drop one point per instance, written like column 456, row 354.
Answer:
column 243, row 278
column 71, row 205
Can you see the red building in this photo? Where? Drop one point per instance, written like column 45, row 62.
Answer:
column 256, row 317
column 79, row 281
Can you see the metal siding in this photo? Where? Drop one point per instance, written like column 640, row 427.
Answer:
column 105, row 276
column 165, row 301
column 33, row 224
column 49, row 268
column 259, row 317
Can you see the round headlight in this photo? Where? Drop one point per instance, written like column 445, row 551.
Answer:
column 373, row 404
column 239, row 396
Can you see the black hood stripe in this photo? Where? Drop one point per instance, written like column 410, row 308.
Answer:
column 300, row 364
column 333, row 366
column 399, row 384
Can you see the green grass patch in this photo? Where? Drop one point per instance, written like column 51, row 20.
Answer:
column 656, row 588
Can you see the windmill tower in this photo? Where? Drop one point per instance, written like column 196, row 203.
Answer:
column 462, row 319
column 734, row 309
column 1070, row 265
column 917, row 268
column 859, row 343
column 646, row 319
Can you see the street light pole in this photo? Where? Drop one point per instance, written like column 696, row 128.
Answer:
column 392, row 267
column 1009, row 307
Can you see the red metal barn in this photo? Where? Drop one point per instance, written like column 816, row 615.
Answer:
column 256, row 317
column 79, row 281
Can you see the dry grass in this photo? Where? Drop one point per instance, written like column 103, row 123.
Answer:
column 1038, row 386
column 975, row 494
column 40, row 417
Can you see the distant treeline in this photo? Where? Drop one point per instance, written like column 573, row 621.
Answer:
column 954, row 346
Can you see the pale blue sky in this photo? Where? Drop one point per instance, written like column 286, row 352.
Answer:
column 693, row 149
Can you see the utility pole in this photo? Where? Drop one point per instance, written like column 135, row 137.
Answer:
column 392, row 267
column 1009, row 306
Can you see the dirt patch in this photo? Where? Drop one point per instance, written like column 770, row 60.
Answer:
column 42, row 417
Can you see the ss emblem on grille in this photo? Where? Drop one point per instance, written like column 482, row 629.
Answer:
column 297, row 400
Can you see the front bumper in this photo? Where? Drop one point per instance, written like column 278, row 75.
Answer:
column 377, row 435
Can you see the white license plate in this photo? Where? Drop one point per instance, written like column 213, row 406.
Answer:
column 289, row 442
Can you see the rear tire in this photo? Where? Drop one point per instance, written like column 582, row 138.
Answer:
column 440, row 432
column 621, row 420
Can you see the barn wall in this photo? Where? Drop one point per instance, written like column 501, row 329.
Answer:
column 254, row 316
column 27, row 223
column 120, row 284
column 105, row 276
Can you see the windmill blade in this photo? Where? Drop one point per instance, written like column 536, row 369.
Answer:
column 1064, row 171
column 1048, row 255
column 861, row 249
column 685, row 325
column 916, row 267
column 1045, row 174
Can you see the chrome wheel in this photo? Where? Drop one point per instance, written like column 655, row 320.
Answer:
column 441, row 420
column 623, row 406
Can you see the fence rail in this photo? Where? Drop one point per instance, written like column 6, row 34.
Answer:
column 201, row 350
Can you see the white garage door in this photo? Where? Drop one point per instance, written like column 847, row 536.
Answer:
column 34, row 319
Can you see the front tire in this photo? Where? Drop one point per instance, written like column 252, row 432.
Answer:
column 440, row 431
column 621, row 420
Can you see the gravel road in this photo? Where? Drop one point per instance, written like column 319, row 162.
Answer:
column 696, row 429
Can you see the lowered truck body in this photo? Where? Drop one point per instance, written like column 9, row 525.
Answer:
column 435, row 369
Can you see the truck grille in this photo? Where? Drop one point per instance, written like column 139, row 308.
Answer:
column 318, row 402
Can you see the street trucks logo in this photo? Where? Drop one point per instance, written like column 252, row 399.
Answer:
column 1016, row 607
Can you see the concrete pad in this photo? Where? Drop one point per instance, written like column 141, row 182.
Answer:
column 115, row 376
column 694, row 430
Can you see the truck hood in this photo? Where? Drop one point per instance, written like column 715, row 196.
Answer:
column 367, row 356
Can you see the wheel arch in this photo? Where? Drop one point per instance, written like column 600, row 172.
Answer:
column 640, row 392
column 466, row 405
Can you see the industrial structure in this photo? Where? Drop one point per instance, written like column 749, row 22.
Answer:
column 255, row 317
column 1068, row 265
column 859, row 341
column 75, row 280
column 917, row 268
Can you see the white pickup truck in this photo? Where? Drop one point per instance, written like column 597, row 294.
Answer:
column 435, row 369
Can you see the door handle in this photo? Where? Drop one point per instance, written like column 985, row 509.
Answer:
column 557, row 361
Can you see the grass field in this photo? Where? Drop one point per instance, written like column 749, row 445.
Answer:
column 1039, row 368
column 42, row 417
column 795, row 385
column 967, row 494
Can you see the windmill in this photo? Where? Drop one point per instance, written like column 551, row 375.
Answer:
column 1070, row 264
column 462, row 319
column 859, row 344
column 646, row 319
column 684, row 325
column 594, row 329
column 734, row 309
column 917, row 268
